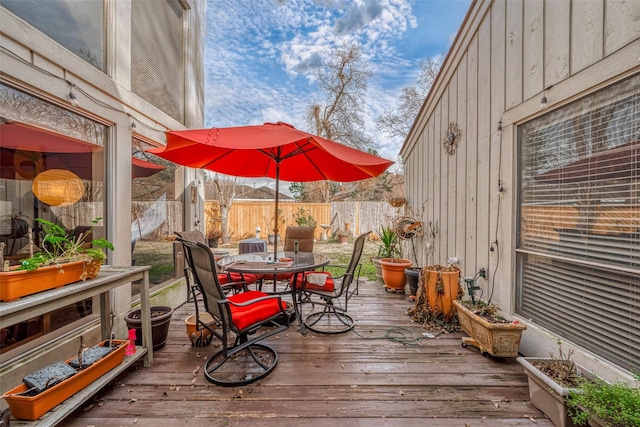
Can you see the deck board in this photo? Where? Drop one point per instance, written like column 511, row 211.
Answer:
column 348, row 379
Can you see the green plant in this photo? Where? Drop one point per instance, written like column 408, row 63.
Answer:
column 59, row 247
column 304, row 219
column 389, row 246
column 614, row 404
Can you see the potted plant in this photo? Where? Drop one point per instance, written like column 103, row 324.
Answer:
column 213, row 237
column 389, row 247
column 413, row 274
column 343, row 236
column 487, row 329
column 439, row 286
column 551, row 380
column 160, row 321
column 212, row 230
column 393, row 273
column 605, row 404
column 31, row 402
column 64, row 259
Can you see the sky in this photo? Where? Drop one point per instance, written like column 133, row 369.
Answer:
column 261, row 55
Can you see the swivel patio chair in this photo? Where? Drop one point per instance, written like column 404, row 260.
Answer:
column 224, row 278
column 249, row 313
column 333, row 319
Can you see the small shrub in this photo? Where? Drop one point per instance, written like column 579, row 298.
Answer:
column 304, row 219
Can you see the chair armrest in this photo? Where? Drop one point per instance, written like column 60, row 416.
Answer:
column 235, row 285
column 252, row 301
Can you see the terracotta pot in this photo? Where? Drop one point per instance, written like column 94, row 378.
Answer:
column 202, row 337
column 393, row 272
column 343, row 239
column 160, row 321
column 496, row 339
column 440, row 298
column 19, row 283
column 34, row 407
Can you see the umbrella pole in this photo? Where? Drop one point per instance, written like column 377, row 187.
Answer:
column 275, row 230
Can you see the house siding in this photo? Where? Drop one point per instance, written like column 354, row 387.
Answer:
column 506, row 56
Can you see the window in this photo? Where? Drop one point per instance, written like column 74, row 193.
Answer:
column 157, row 59
column 156, row 212
column 76, row 25
column 37, row 136
column 578, row 249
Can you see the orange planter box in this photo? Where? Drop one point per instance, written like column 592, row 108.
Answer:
column 33, row 407
column 20, row 283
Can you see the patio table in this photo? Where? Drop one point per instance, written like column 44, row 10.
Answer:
column 286, row 262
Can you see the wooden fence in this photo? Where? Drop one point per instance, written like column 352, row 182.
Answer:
column 245, row 216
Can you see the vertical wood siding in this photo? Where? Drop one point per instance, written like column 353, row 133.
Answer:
column 506, row 56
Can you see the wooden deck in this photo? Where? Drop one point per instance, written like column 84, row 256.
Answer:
column 326, row 380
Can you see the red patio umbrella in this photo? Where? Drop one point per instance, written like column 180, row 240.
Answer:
column 272, row 150
column 27, row 150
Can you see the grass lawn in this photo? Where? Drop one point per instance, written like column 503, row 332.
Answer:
column 159, row 255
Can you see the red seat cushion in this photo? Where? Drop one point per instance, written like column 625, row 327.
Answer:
column 328, row 286
column 237, row 277
column 246, row 316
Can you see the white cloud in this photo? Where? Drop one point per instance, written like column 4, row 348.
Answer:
column 261, row 56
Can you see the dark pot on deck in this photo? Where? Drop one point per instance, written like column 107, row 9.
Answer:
column 160, row 321
column 412, row 273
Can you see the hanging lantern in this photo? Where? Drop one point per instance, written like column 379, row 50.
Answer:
column 58, row 187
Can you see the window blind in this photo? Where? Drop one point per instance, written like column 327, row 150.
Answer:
column 157, row 59
column 76, row 25
column 579, row 222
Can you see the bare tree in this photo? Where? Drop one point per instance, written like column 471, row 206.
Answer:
column 226, row 189
column 339, row 116
column 343, row 84
column 398, row 122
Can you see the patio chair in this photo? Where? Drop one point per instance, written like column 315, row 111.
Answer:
column 303, row 235
column 333, row 319
column 224, row 278
column 245, row 314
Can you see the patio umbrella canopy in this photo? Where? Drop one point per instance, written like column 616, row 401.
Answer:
column 25, row 151
column 272, row 150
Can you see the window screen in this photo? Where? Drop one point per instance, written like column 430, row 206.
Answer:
column 157, row 60
column 579, row 222
column 77, row 25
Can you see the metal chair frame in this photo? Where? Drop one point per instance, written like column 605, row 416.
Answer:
column 260, row 357
column 331, row 301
